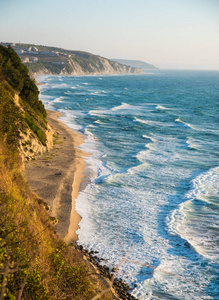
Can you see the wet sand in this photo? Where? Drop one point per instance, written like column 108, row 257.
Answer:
column 56, row 176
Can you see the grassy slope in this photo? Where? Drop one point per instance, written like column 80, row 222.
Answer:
column 34, row 262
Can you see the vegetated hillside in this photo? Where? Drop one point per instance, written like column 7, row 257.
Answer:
column 34, row 262
column 137, row 64
column 52, row 60
column 23, row 116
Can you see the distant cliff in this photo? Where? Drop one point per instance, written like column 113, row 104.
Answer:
column 136, row 63
column 52, row 60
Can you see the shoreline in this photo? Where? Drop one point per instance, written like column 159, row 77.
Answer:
column 57, row 175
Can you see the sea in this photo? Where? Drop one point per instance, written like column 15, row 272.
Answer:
column 151, row 205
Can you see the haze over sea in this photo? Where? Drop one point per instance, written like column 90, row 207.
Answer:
column 154, row 170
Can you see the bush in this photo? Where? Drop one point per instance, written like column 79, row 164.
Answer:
column 17, row 75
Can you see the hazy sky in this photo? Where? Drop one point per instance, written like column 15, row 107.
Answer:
column 182, row 34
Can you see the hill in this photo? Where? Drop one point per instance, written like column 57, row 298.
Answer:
column 52, row 60
column 34, row 262
column 136, row 64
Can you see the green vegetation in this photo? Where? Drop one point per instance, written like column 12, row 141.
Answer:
column 34, row 262
column 16, row 82
column 17, row 75
column 8, row 116
column 50, row 66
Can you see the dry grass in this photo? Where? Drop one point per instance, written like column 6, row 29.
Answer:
column 34, row 262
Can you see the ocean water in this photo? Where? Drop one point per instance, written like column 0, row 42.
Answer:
column 153, row 200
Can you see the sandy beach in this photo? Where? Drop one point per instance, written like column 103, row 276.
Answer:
column 56, row 176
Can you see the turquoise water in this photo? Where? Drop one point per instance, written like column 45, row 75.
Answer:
column 154, row 169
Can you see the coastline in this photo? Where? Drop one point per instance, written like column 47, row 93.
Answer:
column 56, row 176
column 186, row 146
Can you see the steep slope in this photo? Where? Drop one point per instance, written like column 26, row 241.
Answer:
column 23, row 116
column 34, row 262
column 52, row 60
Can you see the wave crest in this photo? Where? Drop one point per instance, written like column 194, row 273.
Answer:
column 122, row 106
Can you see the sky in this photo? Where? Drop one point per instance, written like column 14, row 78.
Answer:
column 171, row 34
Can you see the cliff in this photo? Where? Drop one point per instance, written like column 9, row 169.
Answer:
column 34, row 262
column 51, row 60
column 22, row 115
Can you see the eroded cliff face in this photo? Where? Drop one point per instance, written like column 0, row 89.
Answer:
column 29, row 144
column 99, row 66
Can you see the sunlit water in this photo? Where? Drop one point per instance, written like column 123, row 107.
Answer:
column 154, row 169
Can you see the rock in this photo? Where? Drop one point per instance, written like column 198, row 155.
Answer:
column 59, row 174
column 122, row 289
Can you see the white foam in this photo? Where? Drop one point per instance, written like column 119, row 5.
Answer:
column 98, row 113
column 161, row 107
column 46, row 101
column 154, row 157
column 98, row 171
column 144, row 136
column 41, row 78
column 57, row 100
column 159, row 150
column 206, row 187
column 94, row 166
column 98, row 122
column 151, row 123
column 173, row 279
column 59, row 86
column 141, row 167
column 180, row 122
column 196, row 222
column 95, row 93
column 122, row 106
column 191, row 144
column 69, row 117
